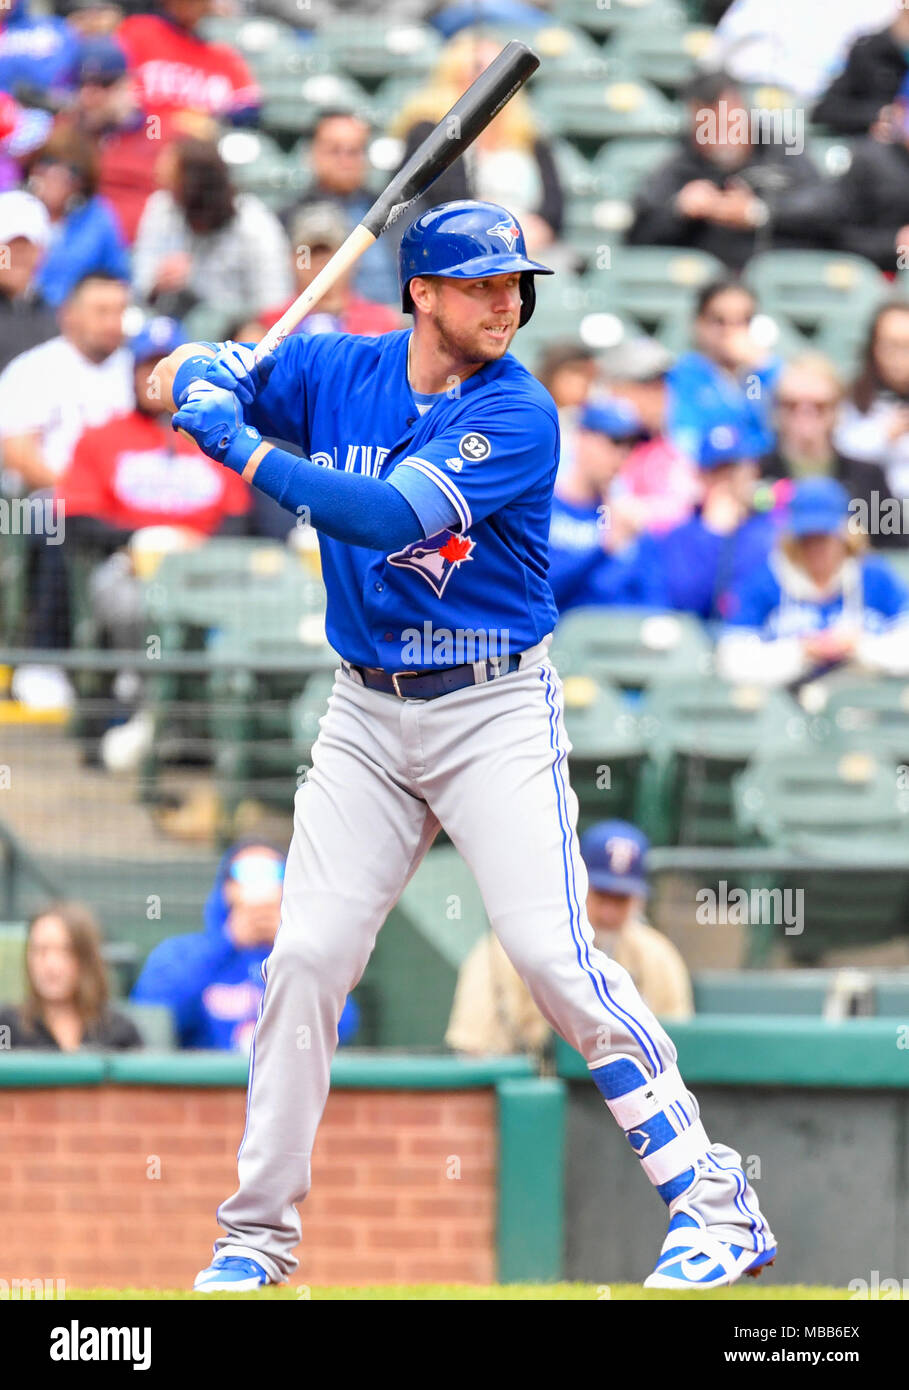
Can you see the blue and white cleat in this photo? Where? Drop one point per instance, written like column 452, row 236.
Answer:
column 230, row 1274
column 693, row 1258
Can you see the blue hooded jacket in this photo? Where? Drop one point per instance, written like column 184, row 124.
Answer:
column 213, row 987
column 39, row 51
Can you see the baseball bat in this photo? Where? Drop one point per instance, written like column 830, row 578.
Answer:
column 470, row 115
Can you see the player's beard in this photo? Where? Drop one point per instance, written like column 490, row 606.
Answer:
column 470, row 345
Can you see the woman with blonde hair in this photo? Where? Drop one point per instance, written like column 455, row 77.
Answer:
column 818, row 602
column 66, row 989
column 509, row 163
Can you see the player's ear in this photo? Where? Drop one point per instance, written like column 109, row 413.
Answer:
column 423, row 292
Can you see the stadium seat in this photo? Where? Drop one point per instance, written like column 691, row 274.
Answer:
column 306, row 711
column 780, row 993
column 832, row 811
column 596, row 109
column 870, row 715
column 607, row 750
column 603, row 18
column 773, row 331
column 12, row 962
column 657, row 53
column 155, row 1023
column 566, row 52
column 630, row 647
column 812, row 288
column 371, row 49
column 654, row 282
column 258, row 165
column 700, row 733
column 293, row 104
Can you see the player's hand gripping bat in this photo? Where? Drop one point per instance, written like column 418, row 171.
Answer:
column 470, row 115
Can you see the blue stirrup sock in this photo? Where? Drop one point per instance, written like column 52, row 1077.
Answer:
column 659, row 1119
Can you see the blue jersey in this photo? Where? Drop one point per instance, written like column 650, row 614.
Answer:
column 583, row 574
column 701, row 567
column 477, row 468
column 701, row 395
column 761, row 602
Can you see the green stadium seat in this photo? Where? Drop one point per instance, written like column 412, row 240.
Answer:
column 774, row 331
column 155, row 1023
column 666, row 56
column 608, row 750
column 258, row 165
column 622, row 164
column 813, row 287
column 371, row 49
column 12, row 962
column 597, row 109
column 294, row 103
column 565, row 51
column 604, row 17
column 630, row 647
column 780, row 993
column 654, row 282
column 306, row 711
column 870, row 715
column 700, row 733
column 897, row 560
column 576, row 309
column 252, row 35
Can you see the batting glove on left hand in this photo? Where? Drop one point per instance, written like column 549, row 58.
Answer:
column 235, row 369
column 214, row 419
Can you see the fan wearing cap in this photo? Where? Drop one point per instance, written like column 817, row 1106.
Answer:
column 658, row 482
column 25, row 318
column 596, row 556
column 316, row 233
column 213, row 980
column 818, row 602
column 727, row 537
column 493, row 1012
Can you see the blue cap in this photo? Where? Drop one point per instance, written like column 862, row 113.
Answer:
column 101, row 59
column 615, row 853
column 818, row 507
column 158, row 337
column 614, row 418
column 727, row 443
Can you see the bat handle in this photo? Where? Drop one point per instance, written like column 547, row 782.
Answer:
column 347, row 255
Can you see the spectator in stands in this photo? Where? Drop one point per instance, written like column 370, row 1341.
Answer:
column 728, row 372
column 510, row 162
column 178, row 70
column 493, row 1013
column 796, row 47
column 317, row 232
column 658, row 483
column 66, row 1005
column 22, row 130
column 808, row 396
column 726, row 190
column 25, row 318
column 878, row 63
column 726, row 538
column 569, row 372
column 94, row 19
column 38, row 53
column 867, row 207
column 212, row 980
column 48, row 396
column 817, row 603
column 85, row 234
column 339, row 165
column 874, row 422
column 202, row 243
column 596, row 554
column 106, row 110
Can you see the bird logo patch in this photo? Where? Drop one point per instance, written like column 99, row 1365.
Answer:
column 436, row 558
column 506, row 231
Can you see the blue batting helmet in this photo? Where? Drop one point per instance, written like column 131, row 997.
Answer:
column 465, row 240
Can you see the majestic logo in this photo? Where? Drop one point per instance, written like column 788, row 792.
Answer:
column 455, row 464
column 436, row 558
column 474, row 447
column 506, row 231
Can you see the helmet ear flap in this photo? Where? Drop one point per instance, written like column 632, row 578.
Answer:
column 528, row 297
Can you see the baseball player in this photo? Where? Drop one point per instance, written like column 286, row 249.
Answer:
column 428, row 472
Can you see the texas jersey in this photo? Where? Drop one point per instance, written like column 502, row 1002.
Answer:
column 477, row 469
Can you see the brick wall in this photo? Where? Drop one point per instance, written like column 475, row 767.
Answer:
column 404, row 1185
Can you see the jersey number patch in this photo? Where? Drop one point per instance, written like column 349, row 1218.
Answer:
column 474, row 447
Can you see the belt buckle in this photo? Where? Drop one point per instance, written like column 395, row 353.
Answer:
column 400, row 675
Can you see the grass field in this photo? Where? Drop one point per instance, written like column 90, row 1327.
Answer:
column 746, row 1291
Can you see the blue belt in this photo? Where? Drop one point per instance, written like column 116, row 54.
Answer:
column 429, row 685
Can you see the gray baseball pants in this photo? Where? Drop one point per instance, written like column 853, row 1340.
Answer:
column 489, row 764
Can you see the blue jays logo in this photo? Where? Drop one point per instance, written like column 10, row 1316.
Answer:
column 506, row 231
column 436, row 558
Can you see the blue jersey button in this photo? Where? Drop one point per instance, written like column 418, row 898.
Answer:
column 379, row 587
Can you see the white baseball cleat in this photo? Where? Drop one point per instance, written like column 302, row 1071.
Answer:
column 230, row 1274
column 693, row 1258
